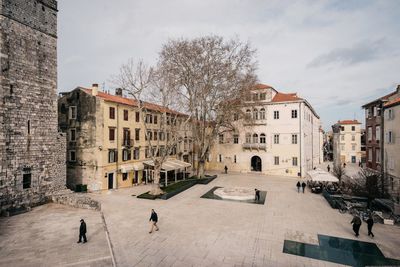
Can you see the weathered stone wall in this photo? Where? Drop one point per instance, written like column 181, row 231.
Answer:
column 29, row 140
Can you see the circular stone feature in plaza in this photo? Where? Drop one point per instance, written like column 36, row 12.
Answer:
column 235, row 193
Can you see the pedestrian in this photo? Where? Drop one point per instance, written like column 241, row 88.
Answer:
column 356, row 225
column 329, row 168
column 303, row 185
column 257, row 196
column 82, row 232
column 344, row 165
column 226, row 169
column 359, row 164
column 153, row 220
column 298, row 186
column 370, row 223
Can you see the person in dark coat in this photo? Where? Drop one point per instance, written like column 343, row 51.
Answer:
column 370, row 223
column 356, row 225
column 257, row 197
column 298, row 186
column 82, row 232
column 303, row 185
column 329, row 168
column 226, row 169
column 153, row 220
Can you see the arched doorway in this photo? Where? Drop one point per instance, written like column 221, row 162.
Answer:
column 256, row 164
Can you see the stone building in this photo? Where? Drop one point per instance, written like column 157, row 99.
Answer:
column 107, row 140
column 280, row 134
column 349, row 148
column 32, row 152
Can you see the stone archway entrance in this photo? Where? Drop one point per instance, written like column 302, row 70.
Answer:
column 256, row 165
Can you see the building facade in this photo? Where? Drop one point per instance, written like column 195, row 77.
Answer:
column 392, row 147
column 349, row 149
column 279, row 134
column 108, row 140
column 32, row 157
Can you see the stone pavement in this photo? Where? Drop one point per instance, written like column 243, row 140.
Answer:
column 204, row 232
column 47, row 236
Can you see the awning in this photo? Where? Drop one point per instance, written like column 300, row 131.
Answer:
column 169, row 165
column 132, row 167
column 319, row 175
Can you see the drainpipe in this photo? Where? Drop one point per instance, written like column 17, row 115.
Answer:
column 301, row 137
column 116, row 162
column 382, row 142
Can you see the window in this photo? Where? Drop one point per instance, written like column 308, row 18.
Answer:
column 235, row 117
column 112, row 113
column 161, row 136
column 155, row 118
column 276, row 160
column 112, row 156
column 378, row 133
column 136, row 153
column 342, row 137
column 137, row 134
column 126, row 154
column 276, row 138
column 262, row 96
column 219, row 158
column 294, row 161
column 353, row 138
column 342, row 128
column 149, row 135
column 236, row 139
column 353, row 128
column 390, row 137
column 369, row 133
column 124, row 176
column 294, row 113
column 248, row 114
column 234, row 159
column 146, row 152
column 72, row 112
column 26, row 179
column 276, row 115
column 248, row 138
column 255, row 97
column 126, row 134
column 378, row 155
column 353, row 147
column 255, row 138
column 262, row 138
column 72, row 134
column 255, row 114
column 149, row 118
column 390, row 114
column 370, row 154
column 126, row 115
column 294, row 139
column 72, row 156
column 221, row 139
column 111, row 134
column 137, row 116
column 262, row 114
column 155, row 135
column 29, row 127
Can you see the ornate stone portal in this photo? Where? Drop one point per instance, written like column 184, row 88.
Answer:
column 235, row 193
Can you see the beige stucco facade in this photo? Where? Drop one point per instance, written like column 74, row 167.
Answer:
column 279, row 135
column 349, row 148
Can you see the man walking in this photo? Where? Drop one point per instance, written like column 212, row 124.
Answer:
column 153, row 220
column 356, row 225
column 257, row 197
column 82, row 232
column 298, row 186
column 303, row 185
column 329, row 168
column 226, row 169
column 370, row 223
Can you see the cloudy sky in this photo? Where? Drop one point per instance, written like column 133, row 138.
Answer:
column 336, row 54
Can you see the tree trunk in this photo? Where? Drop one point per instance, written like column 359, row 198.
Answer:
column 156, row 190
column 200, row 169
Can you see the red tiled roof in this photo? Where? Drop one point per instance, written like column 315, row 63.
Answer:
column 392, row 102
column 262, row 86
column 281, row 97
column 131, row 102
column 385, row 97
column 349, row 122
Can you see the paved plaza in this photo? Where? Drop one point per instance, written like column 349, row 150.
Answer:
column 194, row 231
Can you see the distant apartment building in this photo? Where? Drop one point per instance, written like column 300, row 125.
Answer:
column 349, row 148
column 279, row 134
column 108, row 140
column 374, row 125
column 391, row 157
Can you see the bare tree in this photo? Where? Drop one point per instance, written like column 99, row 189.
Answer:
column 339, row 171
column 139, row 81
column 210, row 77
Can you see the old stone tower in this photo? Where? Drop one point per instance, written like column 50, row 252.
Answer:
column 32, row 152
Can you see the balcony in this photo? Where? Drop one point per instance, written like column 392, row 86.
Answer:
column 255, row 146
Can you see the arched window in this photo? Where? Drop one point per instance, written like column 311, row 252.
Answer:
column 248, row 138
column 255, row 138
column 262, row 114
column 248, row 114
column 255, row 114
column 262, row 138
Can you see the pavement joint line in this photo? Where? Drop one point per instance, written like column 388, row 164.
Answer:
column 110, row 246
column 87, row 261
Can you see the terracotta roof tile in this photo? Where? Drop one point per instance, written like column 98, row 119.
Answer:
column 262, row 86
column 349, row 122
column 392, row 102
column 281, row 97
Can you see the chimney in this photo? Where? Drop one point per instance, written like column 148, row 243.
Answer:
column 95, row 89
column 118, row 91
column 398, row 89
